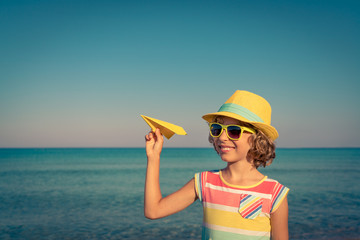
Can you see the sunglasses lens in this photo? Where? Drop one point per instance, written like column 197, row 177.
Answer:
column 234, row 132
column 215, row 130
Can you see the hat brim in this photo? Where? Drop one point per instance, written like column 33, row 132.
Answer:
column 267, row 129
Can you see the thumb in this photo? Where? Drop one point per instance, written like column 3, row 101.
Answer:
column 159, row 135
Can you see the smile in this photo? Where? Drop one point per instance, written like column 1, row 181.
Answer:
column 225, row 149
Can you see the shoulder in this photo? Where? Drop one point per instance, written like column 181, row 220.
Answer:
column 272, row 180
column 202, row 177
column 206, row 173
column 272, row 183
column 278, row 193
column 201, row 180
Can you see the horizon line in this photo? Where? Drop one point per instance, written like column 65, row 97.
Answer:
column 210, row 147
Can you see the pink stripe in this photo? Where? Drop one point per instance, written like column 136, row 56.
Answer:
column 224, row 198
column 214, row 179
column 265, row 187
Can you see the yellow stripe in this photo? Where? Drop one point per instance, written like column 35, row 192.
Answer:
column 238, row 186
column 196, row 186
column 233, row 233
column 234, row 220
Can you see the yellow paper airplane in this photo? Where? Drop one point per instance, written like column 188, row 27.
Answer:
column 167, row 129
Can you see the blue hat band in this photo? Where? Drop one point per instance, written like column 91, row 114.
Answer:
column 244, row 112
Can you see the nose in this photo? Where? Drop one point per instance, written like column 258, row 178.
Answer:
column 223, row 135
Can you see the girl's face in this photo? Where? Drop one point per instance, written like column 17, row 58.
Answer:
column 232, row 151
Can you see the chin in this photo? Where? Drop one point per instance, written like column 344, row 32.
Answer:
column 226, row 158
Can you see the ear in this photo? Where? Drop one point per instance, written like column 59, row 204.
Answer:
column 251, row 140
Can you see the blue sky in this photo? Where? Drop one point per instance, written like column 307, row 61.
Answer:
column 80, row 73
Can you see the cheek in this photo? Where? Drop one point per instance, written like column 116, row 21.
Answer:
column 215, row 144
column 245, row 143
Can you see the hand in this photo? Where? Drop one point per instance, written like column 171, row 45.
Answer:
column 154, row 143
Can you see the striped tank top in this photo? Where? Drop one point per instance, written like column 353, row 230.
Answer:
column 236, row 212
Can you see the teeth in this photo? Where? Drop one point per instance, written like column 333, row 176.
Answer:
column 226, row 148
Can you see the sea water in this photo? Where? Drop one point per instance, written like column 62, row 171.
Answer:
column 98, row 193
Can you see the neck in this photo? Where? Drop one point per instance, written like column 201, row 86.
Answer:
column 242, row 173
column 240, row 169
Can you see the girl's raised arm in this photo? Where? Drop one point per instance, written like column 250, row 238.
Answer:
column 155, row 206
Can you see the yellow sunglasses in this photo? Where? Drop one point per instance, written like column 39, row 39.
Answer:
column 233, row 132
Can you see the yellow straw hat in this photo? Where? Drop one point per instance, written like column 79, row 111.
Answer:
column 247, row 107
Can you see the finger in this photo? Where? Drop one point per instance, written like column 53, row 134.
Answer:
column 149, row 136
column 158, row 134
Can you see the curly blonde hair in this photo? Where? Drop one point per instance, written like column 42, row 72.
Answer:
column 262, row 149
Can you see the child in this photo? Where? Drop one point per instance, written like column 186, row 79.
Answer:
column 239, row 202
